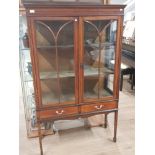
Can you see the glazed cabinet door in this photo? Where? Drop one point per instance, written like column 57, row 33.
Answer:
column 99, row 59
column 55, row 57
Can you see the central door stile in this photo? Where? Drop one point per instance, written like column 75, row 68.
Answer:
column 81, row 72
column 76, row 59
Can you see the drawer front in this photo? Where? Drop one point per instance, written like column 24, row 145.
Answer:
column 98, row 107
column 60, row 112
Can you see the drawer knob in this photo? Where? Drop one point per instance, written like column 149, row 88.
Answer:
column 59, row 113
column 98, row 106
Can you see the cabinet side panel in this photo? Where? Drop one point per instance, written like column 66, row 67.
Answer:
column 33, row 60
column 118, row 56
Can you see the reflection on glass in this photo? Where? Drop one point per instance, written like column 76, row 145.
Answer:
column 99, row 53
column 55, row 51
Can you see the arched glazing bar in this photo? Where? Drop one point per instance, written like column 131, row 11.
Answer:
column 56, row 38
column 100, row 33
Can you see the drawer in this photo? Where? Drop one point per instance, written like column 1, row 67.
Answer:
column 60, row 112
column 98, row 107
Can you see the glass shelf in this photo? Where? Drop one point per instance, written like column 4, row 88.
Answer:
column 50, row 75
column 23, row 49
column 28, row 77
column 93, row 45
column 58, row 46
column 92, row 94
column 89, row 71
column 96, row 45
column 53, row 99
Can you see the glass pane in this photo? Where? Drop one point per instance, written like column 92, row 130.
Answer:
column 55, row 51
column 99, row 55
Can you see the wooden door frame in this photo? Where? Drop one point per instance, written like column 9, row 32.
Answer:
column 117, row 57
column 35, row 62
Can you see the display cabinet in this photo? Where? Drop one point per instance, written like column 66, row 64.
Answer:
column 75, row 53
column 27, row 83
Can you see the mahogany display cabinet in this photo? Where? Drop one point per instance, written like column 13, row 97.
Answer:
column 76, row 54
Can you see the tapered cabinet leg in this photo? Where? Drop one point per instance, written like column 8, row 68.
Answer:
column 105, row 121
column 115, row 125
column 121, row 81
column 40, row 138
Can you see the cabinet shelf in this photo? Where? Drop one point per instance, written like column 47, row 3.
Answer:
column 103, row 92
column 88, row 71
column 53, row 47
column 51, row 98
column 28, row 78
column 66, row 74
column 93, row 45
column 96, row 45
column 51, row 75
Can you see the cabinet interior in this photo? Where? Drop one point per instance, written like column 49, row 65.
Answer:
column 55, row 48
